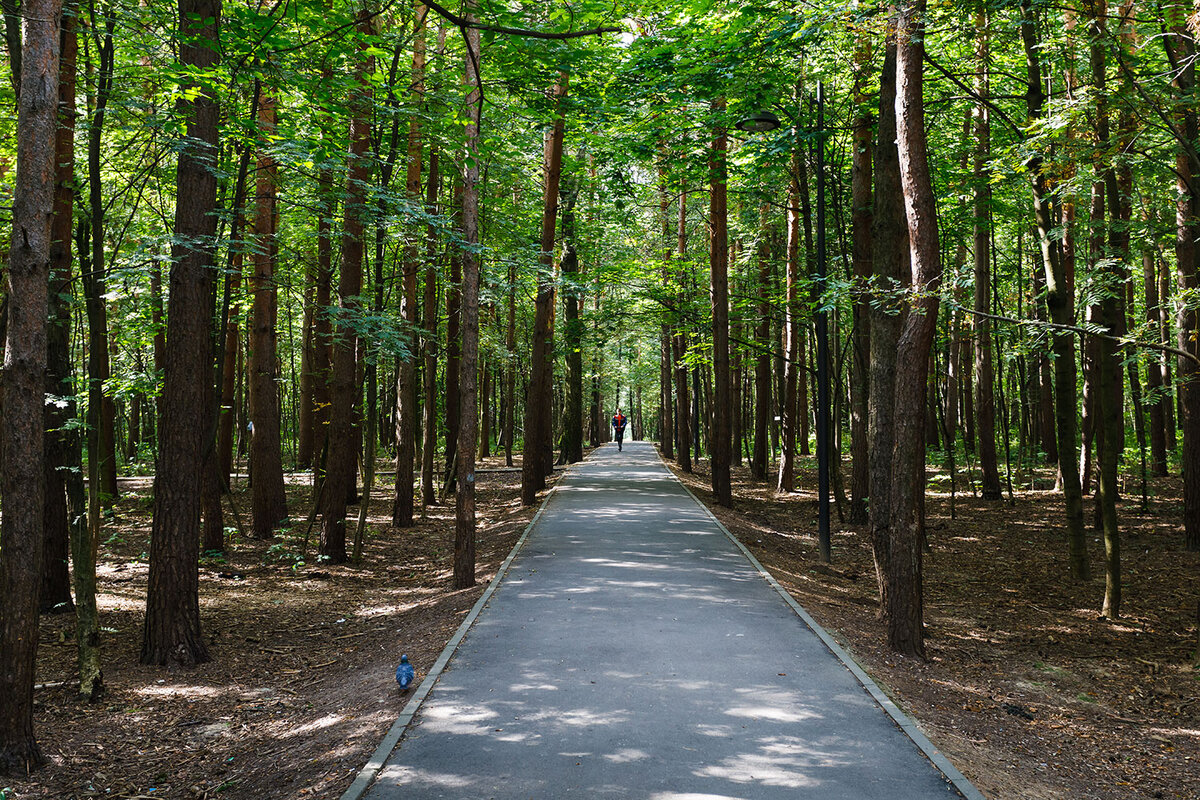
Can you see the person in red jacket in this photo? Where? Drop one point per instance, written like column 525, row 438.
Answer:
column 618, row 423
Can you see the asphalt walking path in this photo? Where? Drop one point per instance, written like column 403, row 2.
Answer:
column 632, row 650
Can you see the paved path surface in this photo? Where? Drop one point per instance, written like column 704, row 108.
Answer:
column 632, row 651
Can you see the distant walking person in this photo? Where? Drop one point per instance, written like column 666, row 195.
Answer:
column 618, row 422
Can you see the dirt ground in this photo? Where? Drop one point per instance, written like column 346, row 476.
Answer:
column 1027, row 690
column 301, row 685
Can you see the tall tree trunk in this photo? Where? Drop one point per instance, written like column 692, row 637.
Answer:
column 861, row 220
column 572, row 333
column 538, row 403
column 1181, row 51
column 889, row 236
column 430, row 304
column 1060, row 303
column 718, row 259
column 1154, row 371
column 340, row 473
column 762, row 362
column 464, row 515
column 101, row 410
column 683, row 411
column 510, row 369
column 985, row 403
column 453, row 342
column 171, row 633
column 406, row 375
column 793, row 328
column 666, row 373
column 22, row 482
column 268, row 499
column 56, row 580
column 905, row 612
column 229, row 372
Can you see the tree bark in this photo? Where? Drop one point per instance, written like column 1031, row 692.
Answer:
column 1060, row 303
column 718, row 259
column 861, row 220
column 22, row 482
column 762, row 361
column 171, row 634
column 538, row 403
column 340, row 475
column 430, row 409
column 905, row 612
column 683, row 411
column 268, row 499
column 793, row 330
column 464, row 514
column 572, row 332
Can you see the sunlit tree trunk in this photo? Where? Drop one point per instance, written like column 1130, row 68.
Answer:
column 793, row 328
column 683, row 411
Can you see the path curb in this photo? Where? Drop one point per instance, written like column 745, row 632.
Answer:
column 366, row 776
column 905, row 722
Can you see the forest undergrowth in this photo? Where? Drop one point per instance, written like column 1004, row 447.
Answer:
column 301, row 687
column 1027, row 689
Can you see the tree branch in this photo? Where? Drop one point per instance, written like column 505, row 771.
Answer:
column 463, row 22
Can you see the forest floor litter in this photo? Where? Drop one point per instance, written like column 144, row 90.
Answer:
column 1027, row 690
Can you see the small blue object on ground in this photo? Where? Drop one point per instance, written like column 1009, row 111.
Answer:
column 404, row 673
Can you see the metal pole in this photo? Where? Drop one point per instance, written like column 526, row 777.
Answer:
column 822, row 343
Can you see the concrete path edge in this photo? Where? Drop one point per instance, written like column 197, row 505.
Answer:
column 905, row 722
column 366, row 776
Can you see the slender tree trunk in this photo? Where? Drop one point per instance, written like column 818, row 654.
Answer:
column 572, row 333
column 430, row 304
column 889, row 235
column 464, row 526
column 268, row 500
column 905, row 611
column 453, row 343
column 1060, row 304
column 985, row 404
column 343, row 446
column 510, row 369
column 762, row 362
column 1181, row 51
column 683, row 411
column 538, row 403
column 718, row 255
column 665, row 378
column 56, row 580
column 1154, row 371
column 171, row 633
column 861, row 220
column 793, row 328
column 406, row 375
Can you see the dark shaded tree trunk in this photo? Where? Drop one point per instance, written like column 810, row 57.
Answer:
column 406, row 375
column 889, row 236
column 572, row 333
column 793, row 331
column 171, row 633
column 905, row 606
column 539, row 414
column 683, row 409
column 1154, row 371
column 718, row 255
column 666, row 373
column 762, row 361
column 429, row 444
column 985, row 403
column 268, row 499
column 340, row 474
column 861, row 220
column 1060, row 303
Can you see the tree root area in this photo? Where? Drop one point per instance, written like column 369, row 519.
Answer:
column 1027, row 689
column 301, row 686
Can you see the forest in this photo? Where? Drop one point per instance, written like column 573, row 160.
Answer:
column 328, row 289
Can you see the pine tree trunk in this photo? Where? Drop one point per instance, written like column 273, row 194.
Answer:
column 268, row 499
column 453, row 344
column 666, row 437
column 762, row 362
column 718, row 255
column 572, row 333
column 340, row 474
column 538, row 403
column 861, row 220
column 793, row 331
column 889, row 236
column 905, row 612
column 430, row 322
column 683, row 410
column 171, row 633
column 464, row 524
